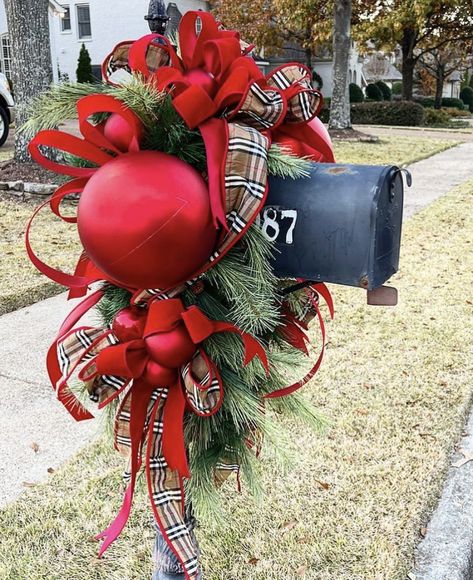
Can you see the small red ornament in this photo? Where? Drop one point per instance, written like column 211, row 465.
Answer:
column 119, row 132
column 202, row 79
column 129, row 324
column 159, row 375
column 171, row 349
column 144, row 219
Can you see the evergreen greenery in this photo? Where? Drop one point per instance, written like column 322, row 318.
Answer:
column 466, row 95
column 385, row 90
column 397, row 88
column 373, row 92
column 356, row 94
column 84, row 66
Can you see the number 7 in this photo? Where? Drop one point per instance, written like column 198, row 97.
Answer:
column 290, row 214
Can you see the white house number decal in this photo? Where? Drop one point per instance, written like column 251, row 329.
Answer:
column 278, row 224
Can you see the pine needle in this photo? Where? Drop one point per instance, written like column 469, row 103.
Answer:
column 282, row 163
column 53, row 107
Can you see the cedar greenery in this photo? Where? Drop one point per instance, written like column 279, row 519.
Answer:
column 241, row 289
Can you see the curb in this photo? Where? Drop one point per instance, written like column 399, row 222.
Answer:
column 25, row 190
column 446, row 552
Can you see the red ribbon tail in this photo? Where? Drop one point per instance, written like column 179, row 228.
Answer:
column 215, row 135
column 174, row 448
column 140, row 396
column 296, row 386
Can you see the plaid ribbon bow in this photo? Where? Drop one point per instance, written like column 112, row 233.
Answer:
column 148, row 413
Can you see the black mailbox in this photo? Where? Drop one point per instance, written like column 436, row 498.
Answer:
column 341, row 225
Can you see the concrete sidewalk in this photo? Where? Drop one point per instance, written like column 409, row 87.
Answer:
column 37, row 433
column 31, row 417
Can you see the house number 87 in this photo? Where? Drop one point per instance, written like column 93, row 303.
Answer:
column 275, row 222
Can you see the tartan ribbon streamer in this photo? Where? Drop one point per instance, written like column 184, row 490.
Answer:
column 148, row 414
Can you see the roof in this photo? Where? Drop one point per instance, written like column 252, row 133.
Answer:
column 392, row 74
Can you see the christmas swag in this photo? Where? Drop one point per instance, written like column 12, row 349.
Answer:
column 199, row 338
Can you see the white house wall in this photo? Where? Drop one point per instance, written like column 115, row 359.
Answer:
column 111, row 22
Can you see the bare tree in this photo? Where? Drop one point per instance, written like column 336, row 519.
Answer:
column 32, row 72
column 340, row 104
column 440, row 63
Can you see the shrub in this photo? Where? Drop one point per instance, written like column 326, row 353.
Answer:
column 373, row 92
column 436, row 117
column 397, row 88
column 385, row 90
column 324, row 114
column 455, row 113
column 427, row 102
column 84, row 67
column 356, row 94
column 449, row 102
column 317, row 80
column 388, row 113
column 466, row 95
column 471, row 81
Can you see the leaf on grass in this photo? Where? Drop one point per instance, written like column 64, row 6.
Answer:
column 323, row 484
column 423, row 532
column 288, row 526
column 51, row 470
column 34, row 446
column 29, row 484
column 253, row 561
column 301, row 570
column 467, row 456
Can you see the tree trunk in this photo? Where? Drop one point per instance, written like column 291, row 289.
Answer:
column 308, row 58
column 340, row 104
column 32, row 72
column 408, row 62
column 439, row 86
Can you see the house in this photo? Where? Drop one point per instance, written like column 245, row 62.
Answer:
column 452, row 85
column 99, row 24
column 322, row 65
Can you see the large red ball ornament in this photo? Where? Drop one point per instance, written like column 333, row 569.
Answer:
column 119, row 132
column 171, row 349
column 144, row 219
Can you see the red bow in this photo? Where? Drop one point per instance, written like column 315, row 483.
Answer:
column 133, row 360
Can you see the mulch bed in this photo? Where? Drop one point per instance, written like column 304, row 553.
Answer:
column 30, row 172
column 352, row 135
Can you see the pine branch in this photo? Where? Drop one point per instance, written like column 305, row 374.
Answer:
column 283, row 163
column 56, row 105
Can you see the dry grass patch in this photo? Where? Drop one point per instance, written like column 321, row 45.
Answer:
column 396, row 385
column 53, row 240
column 400, row 151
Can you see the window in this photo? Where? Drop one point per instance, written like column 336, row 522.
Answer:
column 66, row 20
column 83, row 21
column 6, row 56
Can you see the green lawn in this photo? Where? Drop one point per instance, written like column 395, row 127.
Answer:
column 396, row 386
